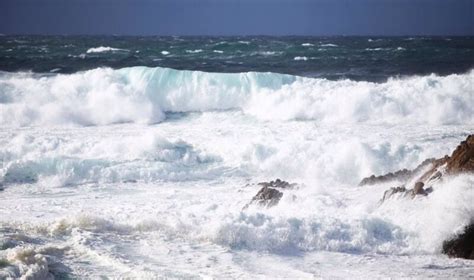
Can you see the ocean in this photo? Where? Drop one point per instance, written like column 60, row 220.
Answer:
column 134, row 157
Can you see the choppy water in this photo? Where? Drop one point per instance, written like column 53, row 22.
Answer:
column 356, row 58
column 115, row 165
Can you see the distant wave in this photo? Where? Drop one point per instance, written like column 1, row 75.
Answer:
column 328, row 45
column 300, row 58
column 104, row 49
column 140, row 94
column 194, row 51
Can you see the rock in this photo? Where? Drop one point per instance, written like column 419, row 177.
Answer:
column 401, row 175
column 389, row 193
column 462, row 159
column 433, row 172
column 418, row 189
column 269, row 195
column 277, row 184
column 462, row 246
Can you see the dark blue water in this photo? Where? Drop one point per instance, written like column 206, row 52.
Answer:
column 357, row 58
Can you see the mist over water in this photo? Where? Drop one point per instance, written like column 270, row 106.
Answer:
column 134, row 157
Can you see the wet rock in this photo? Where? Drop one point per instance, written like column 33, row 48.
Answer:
column 462, row 246
column 269, row 195
column 434, row 171
column 400, row 175
column 418, row 189
column 389, row 193
column 462, row 159
column 277, row 184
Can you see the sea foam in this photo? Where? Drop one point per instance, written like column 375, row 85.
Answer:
column 103, row 49
column 143, row 95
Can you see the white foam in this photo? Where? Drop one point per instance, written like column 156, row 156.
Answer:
column 300, row 58
column 104, row 49
column 307, row 45
column 142, row 95
column 139, row 200
column 194, row 51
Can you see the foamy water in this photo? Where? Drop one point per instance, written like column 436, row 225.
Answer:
column 143, row 172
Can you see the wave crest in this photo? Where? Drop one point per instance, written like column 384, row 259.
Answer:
column 143, row 95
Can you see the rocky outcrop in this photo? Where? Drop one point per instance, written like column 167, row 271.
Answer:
column 418, row 189
column 460, row 161
column 270, row 193
column 400, row 175
column 462, row 246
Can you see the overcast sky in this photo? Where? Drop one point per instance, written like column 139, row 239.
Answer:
column 238, row 17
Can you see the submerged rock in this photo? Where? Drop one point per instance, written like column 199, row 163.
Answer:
column 269, row 195
column 462, row 246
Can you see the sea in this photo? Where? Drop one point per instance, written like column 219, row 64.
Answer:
column 134, row 157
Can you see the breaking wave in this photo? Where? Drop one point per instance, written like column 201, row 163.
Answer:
column 143, row 95
column 103, row 49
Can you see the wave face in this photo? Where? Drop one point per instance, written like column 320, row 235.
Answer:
column 143, row 95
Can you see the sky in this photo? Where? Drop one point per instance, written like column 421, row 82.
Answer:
column 238, row 17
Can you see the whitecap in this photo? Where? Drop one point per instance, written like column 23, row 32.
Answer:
column 300, row 58
column 194, row 51
column 329, row 45
column 142, row 95
column 104, row 49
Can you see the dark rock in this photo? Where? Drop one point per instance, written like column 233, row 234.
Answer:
column 401, row 175
column 462, row 246
column 389, row 193
column 418, row 189
column 269, row 195
column 277, row 184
